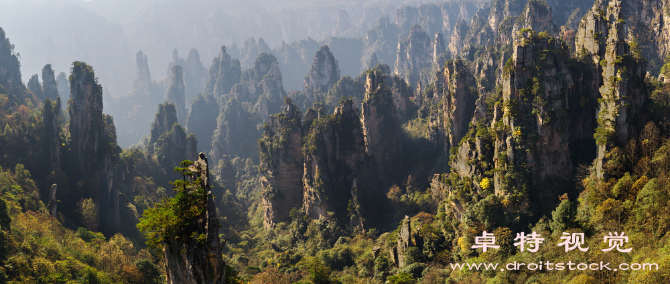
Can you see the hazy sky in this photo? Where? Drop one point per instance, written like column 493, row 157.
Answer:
column 108, row 33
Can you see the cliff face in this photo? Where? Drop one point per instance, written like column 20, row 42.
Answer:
column 323, row 74
column 406, row 239
column 318, row 164
column 143, row 81
column 63, row 86
column 334, row 155
column 262, row 86
column 345, row 87
column 528, row 137
column 382, row 40
column 380, row 124
column 295, row 59
column 440, row 54
column 459, row 102
column 165, row 117
column 193, row 261
column 195, row 75
column 251, row 50
column 49, row 85
column 176, row 92
column 405, row 108
column 86, row 119
column 645, row 22
column 35, row 87
column 235, row 132
column 623, row 92
column 537, row 16
column 200, row 122
column 282, row 164
column 550, row 153
column 458, row 36
column 10, row 71
column 51, row 117
column 224, row 73
column 414, row 54
column 168, row 140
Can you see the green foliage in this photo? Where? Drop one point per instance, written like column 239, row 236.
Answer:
column 563, row 217
column 382, row 265
column 151, row 274
column 165, row 118
column 402, row 278
column 318, row 272
column 175, row 217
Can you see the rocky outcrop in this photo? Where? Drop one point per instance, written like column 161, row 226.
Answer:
column 262, row 86
column 63, row 86
column 528, row 137
column 282, row 164
column 193, row 261
column 537, row 16
column 382, row 40
column 380, row 124
column 235, row 133
column 143, row 83
column 35, row 87
column 10, row 69
column 165, row 117
column 132, row 107
column 53, row 202
column 345, row 87
column 318, row 164
column 168, row 140
column 251, row 50
column 86, row 119
column 295, row 58
column 458, row 37
column 195, row 75
column 502, row 12
column 623, row 92
column 49, row 85
column 440, row 54
column 405, row 239
column 459, row 102
column 549, row 157
column 200, row 122
column 348, row 51
column 224, row 73
column 51, row 118
column 402, row 94
column 323, row 74
column 334, row 154
column 414, row 54
column 176, row 92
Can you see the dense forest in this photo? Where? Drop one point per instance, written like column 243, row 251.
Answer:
column 507, row 132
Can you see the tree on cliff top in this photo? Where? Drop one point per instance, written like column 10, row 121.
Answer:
column 176, row 217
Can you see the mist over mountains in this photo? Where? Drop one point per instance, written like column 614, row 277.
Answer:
column 107, row 33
